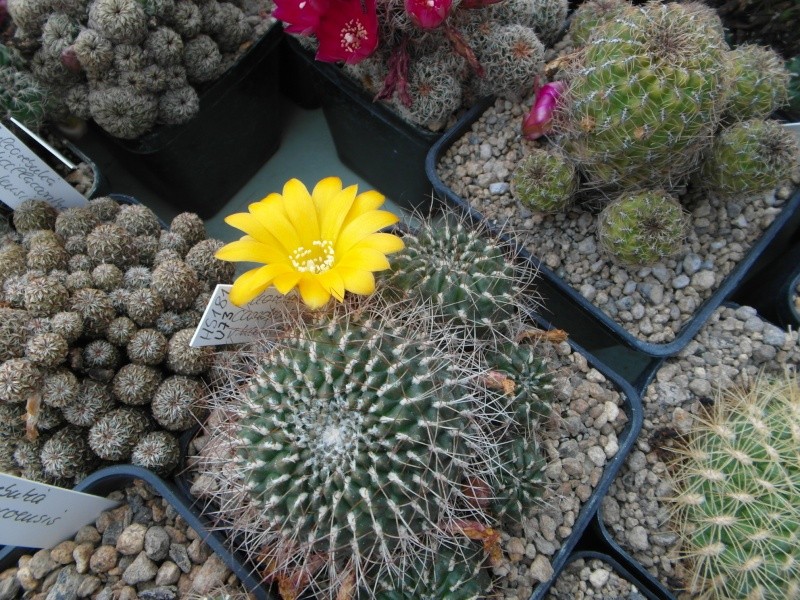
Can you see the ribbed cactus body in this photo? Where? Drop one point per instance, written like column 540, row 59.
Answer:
column 516, row 495
column 738, row 484
column 644, row 97
column 760, row 82
column 349, row 439
column 466, row 277
column 590, row 14
column 529, row 387
column 749, row 158
column 643, row 228
column 544, row 182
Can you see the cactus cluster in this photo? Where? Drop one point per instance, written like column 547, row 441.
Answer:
column 737, row 483
column 365, row 450
column 128, row 65
column 98, row 305
column 652, row 100
column 478, row 49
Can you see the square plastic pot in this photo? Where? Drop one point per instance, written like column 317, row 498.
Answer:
column 106, row 480
column 577, row 315
column 200, row 165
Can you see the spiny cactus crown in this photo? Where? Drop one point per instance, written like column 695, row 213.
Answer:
column 760, row 82
column 642, row 229
column 737, row 483
column 545, row 181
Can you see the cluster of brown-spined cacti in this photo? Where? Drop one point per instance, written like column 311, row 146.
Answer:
column 97, row 308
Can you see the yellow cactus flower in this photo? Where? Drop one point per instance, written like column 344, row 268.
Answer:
column 324, row 243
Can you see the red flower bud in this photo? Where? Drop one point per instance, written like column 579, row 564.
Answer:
column 539, row 120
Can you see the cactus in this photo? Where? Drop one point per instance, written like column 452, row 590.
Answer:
column 749, row 158
column 646, row 126
column 544, row 182
column 21, row 96
column 642, row 229
column 80, row 350
column 736, row 483
column 760, row 82
column 589, row 15
column 466, row 278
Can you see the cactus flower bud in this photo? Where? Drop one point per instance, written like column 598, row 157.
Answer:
column 69, row 58
column 428, row 14
column 539, row 120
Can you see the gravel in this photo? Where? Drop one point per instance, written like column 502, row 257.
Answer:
column 734, row 346
column 651, row 303
column 136, row 566
column 592, row 578
column 578, row 439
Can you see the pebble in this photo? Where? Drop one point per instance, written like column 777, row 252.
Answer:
column 498, row 188
column 681, row 281
column 212, row 575
column 541, row 569
column 156, row 543
column 131, row 540
column 703, row 280
column 599, row 577
column 637, row 538
column 141, row 569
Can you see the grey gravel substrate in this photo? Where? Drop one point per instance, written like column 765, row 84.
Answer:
column 593, row 578
column 735, row 345
column 142, row 549
column 577, row 441
column 651, row 303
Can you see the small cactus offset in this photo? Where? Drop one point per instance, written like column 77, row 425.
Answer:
column 760, row 82
column 545, row 182
column 737, row 482
column 642, row 229
column 749, row 158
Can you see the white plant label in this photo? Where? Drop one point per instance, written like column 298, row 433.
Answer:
column 25, row 176
column 35, row 515
column 225, row 323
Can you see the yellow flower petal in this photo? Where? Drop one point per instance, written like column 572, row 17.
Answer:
column 365, row 201
column 285, row 282
column 248, row 224
column 312, row 292
column 301, row 211
column 362, row 226
column 332, row 281
column 271, row 214
column 386, row 243
column 334, row 212
column 358, row 281
column 252, row 283
column 246, row 249
column 324, row 192
column 365, row 259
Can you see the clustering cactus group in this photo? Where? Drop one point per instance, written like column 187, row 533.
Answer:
column 653, row 99
column 98, row 306
column 736, row 501
column 366, row 449
column 128, row 65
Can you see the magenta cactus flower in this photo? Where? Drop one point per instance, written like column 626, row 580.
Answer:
column 428, row 14
column 300, row 16
column 539, row 121
column 348, row 31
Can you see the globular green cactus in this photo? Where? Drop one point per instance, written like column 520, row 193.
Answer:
column 588, row 15
column 749, row 158
column 759, row 80
column 467, row 278
column 644, row 98
column 544, row 182
column 737, row 483
column 642, row 228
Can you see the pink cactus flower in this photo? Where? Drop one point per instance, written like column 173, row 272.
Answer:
column 539, row 120
column 428, row 14
column 348, row 31
column 300, row 16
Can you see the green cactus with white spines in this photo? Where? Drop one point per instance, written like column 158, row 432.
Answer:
column 760, row 82
column 545, row 182
column 737, row 483
column 21, row 96
column 465, row 277
column 749, row 158
column 643, row 228
column 588, row 15
column 644, row 98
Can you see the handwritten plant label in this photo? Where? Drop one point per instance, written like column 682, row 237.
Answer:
column 25, row 176
column 35, row 515
column 225, row 323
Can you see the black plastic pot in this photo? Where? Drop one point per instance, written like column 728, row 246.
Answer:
column 199, row 166
column 620, row 568
column 100, row 185
column 300, row 80
column 373, row 140
column 106, row 480
column 631, row 406
column 580, row 317
column 773, row 291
